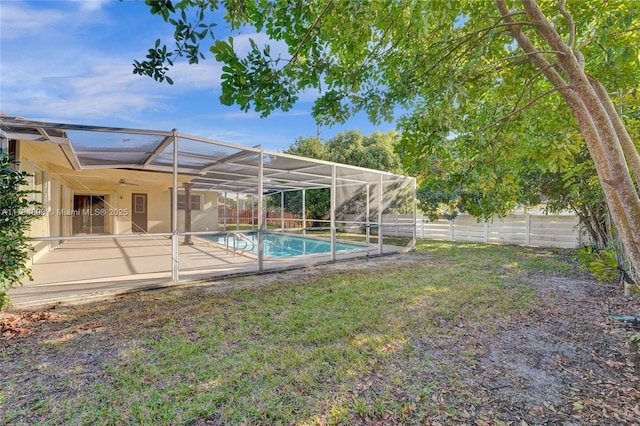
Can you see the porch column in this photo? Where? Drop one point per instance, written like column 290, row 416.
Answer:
column 187, row 213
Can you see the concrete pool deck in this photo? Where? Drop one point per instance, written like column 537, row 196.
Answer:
column 90, row 269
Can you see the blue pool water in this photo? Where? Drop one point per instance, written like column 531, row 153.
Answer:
column 282, row 245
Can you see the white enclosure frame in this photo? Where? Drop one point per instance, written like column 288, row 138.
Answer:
column 211, row 165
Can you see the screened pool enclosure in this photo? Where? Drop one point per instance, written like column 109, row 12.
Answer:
column 123, row 207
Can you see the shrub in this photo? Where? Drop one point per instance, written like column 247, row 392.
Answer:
column 17, row 211
column 602, row 263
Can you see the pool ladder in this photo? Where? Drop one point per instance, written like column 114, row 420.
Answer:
column 242, row 237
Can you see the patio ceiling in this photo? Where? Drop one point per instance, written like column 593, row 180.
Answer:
column 213, row 165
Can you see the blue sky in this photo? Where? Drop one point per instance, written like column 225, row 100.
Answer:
column 71, row 61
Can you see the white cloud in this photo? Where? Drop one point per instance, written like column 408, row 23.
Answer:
column 66, row 74
column 205, row 74
column 252, row 115
column 71, row 61
column 91, row 5
column 242, row 45
column 17, row 20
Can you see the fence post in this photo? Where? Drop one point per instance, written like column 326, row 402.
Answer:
column 451, row 230
column 486, row 232
column 527, row 229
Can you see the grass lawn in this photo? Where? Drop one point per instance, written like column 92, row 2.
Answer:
column 396, row 343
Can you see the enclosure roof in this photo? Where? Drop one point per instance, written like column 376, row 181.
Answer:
column 213, row 165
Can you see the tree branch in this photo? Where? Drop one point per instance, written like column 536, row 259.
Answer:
column 517, row 110
column 373, row 52
column 454, row 45
column 570, row 23
column 527, row 54
column 308, row 33
column 525, row 44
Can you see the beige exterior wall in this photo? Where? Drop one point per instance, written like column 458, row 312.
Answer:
column 205, row 218
column 59, row 183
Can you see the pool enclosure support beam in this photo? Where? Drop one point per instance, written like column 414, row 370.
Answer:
column 368, row 217
column 260, row 213
column 304, row 212
column 237, row 210
column 175, row 255
column 333, row 212
column 380, row 208
column 282, row 211
column 415, row 213
column 224, row 217
column 253, row 212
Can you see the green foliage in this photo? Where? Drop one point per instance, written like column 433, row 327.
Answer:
column 449, row 63
column 187, row 35
column 16, row 213
column 317, row 203
column 629, row 107
column 602, row 263
column 451, row 66
column 376, row 151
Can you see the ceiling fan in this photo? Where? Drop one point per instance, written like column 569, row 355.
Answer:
column 123, row 182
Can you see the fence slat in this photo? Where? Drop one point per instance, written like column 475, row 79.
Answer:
column 533, row 230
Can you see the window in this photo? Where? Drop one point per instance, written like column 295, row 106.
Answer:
column 195, row 202
column 139, row 205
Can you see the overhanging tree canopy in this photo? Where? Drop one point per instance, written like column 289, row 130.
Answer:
column 461, row 68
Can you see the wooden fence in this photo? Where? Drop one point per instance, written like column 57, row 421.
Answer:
column 247, row 217
column 562, row 231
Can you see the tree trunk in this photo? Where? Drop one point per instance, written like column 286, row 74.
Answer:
column 631, row 154
column 601, row 127
column 594, row 222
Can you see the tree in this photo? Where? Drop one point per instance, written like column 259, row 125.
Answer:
column 17, row 211
column 376, row 151
column 461, row 180
column 462, row 69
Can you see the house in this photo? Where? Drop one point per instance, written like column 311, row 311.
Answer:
column 102, row 187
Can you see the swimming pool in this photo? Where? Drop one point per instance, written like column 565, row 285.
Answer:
column 282, row 245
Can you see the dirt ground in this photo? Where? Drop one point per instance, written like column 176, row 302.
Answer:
column 567, row 363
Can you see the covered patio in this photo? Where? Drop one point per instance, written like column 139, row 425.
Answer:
column 122, row 209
